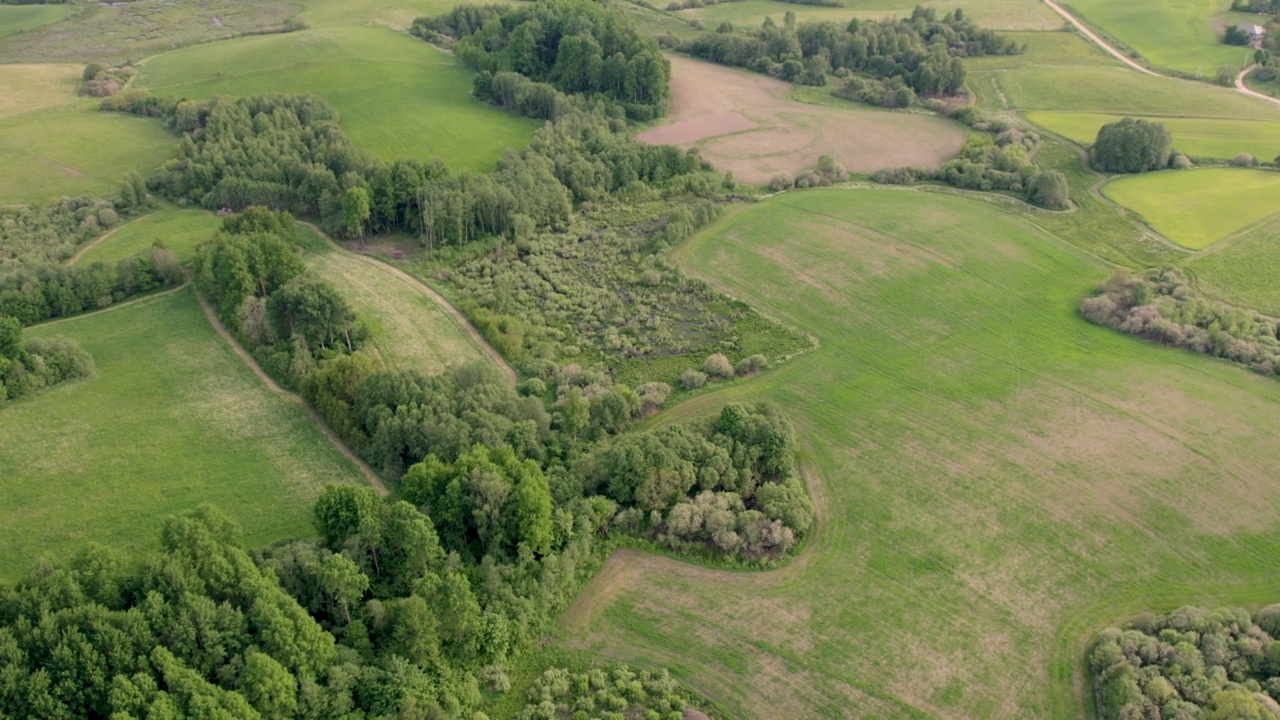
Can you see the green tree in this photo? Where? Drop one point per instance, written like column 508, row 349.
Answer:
column 531, row 506
column 268, row 686
column 355, row 212
column 1131, row 146
column 1049, row 190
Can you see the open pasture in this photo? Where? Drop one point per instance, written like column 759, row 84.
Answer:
column 180, row 231
column 746, row 123
column 997, row 478
column 171, row 418
column 120, row 32
column 1196, row 208
column 409, row 330
column 994, row 14
column 1175, row 34
column 21, row 18
column 1199, row 137
column 396, row 96
column 1243, row 270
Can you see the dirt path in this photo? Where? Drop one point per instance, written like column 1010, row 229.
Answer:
column 72, row 260
column 374, row 481
column 1253, row 93
column 436, row 297
column 1100, row 42
column 109, row 308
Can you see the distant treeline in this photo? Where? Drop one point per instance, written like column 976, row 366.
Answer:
column 1159, row 305
column 924, row 51
column 578, row 46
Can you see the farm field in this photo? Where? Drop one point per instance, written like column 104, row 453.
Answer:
column 1196, row 208
column 997, row 478
column 21, row 18
column 180, row 230
column 746, row 123
column 995, row 14
column 1198, row 137
column 171, row 418
column 1182, row 36
column 409, row 330
column 1242, row 271
column 396, row 96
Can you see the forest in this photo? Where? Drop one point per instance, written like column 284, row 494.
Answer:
column 1192, row 663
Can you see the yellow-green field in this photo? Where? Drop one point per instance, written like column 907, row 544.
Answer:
column 1198, row 137
column 171, row 418
column 179, row 230
column 1243, row 271
column 1196, row 208
column 396, row 96
column 1183, row 35
column 995, row 14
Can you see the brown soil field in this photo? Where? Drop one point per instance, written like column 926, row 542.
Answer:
column 747, row 123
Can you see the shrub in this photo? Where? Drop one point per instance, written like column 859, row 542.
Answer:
column 1243, row 160
column 1180, row 161
column 692, row 379
column 1131, row 146
column 751, row 365
column 1049, row 190
column 717, row 366
column 780, row 182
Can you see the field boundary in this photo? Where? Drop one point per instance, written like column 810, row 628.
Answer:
column 369, row 475
column 452, row 312
column 113, row 306
column 80, row 253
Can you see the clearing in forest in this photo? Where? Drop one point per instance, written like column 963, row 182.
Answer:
column 1197, row 208
column 180, row 231
column 745, row 122
column 170, row 418
column 997, row 477
column 396, row 96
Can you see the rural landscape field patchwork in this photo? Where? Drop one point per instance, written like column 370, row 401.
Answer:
column 574, row 359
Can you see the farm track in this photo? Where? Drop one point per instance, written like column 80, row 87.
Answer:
column 80, row 253
column 435, row 297
column 374, row 481
column 115, row 306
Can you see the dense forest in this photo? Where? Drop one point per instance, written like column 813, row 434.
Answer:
column 923, row 51
column 1192, row 664
column 579, row 47
column 1160, row 305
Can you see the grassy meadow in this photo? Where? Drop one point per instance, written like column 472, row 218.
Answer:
column 1243, row 271
column 180, row 230
column 1198, row 137
column 1196, row 208
column 16, row 19
column 1175, row 34
column 396, row 96
column 997, row 478
column 171, row 418
column 995, row 14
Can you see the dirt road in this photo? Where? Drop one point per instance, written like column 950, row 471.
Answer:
column 1244, row 89
column 1101, row 43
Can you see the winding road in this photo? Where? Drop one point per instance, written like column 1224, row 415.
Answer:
column 1240, row 86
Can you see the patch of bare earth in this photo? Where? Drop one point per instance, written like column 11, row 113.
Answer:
column 745, row 123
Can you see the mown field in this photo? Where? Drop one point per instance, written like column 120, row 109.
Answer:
column 180, row 231
column 21, row 18
column 1198, row 137
column 1243, row 271
column 171, row 418
column 995, row 14
column 1175, row 34
column 998, row 478
column 396, row 96
column 1196, row 208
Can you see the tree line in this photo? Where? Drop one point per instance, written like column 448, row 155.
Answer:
column 1191, row 664
column 52, row 233
column 577, row 46
column 35, row 363
column 924, row 50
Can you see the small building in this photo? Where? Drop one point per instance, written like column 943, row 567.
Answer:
column 1255, row 32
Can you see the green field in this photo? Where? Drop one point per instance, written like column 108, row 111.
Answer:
column 995, row 14
column 1243, row 271
column 1196, row 208
column 171, row 418
column 1182, row 35
column 997, row 478
column 180, row 230
column 396, row 95
column 1198, row 137
column 409, row 330
column 21, row 18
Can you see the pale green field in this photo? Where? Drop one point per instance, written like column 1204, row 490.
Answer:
column 396, row 96
column 1183, row 35
column 1196, row 208
column 170, row 419
column 994, row 14
column 21, row 18
column 996, row 478
column 1198, row 137
column 180, row 230
column 1243, row 271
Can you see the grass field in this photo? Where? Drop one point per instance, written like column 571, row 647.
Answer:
column 409, row 330
column 997, row 478
column 1198, row 137
column 1176, row 34
column 21, row 18
column 181, row 231
column 995, row 14
column 396, row 95
column 171, row 418
column 1196, row 208
column 1243, row 271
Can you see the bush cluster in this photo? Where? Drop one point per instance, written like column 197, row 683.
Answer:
column 51, row 233
column 99, row 80
column 616, row 692
column 1192, row 663
column 28, row 366
column 1159, row 305
column 1132, row 146
column 36, row 292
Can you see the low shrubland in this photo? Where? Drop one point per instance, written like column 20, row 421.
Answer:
column 52, row 233
column 609, row 692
